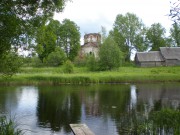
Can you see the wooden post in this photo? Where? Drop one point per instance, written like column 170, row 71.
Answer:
column 81, row 129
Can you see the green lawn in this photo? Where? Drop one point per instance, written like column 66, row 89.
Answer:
column 82, row 75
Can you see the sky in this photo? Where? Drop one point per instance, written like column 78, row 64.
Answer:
column 90, row 15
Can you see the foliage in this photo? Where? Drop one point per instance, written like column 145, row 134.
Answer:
column 19, row 21
column 7, row 127
column 36, row 62
column 70, row 38
column 168, row 120
column 46, row 39
column 165, row 120
column 92, row 63
column 128, row 32
column 110, row 55
column 20, row 18
column 175, row 34
column 80, row 60
column 56, row 58
column 10, row 64
column 175, row 11
column 156, row 36
column 68, row 67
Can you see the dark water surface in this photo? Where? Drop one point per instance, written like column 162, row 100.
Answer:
column 105, row 108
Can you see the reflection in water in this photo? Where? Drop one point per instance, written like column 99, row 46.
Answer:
column 106, row 109
column 133, row 96
column 58, row 109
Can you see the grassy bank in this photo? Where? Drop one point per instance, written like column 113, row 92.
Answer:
column 52, row 76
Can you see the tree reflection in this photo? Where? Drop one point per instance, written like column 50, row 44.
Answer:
column 58, row 108
column 147, row 116
column 8, row 99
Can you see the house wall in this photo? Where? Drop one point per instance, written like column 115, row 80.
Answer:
column 172, row 62
column 150, row 64
column 90, row 50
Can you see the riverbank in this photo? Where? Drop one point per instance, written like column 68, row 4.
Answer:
column 56, row 76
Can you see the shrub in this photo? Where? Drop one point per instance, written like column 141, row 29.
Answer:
column 92, row 63
column 56, row 58
column 110, row 55
column 68, row 67
column 10, row 63
column 80, row 60
column 36, row 62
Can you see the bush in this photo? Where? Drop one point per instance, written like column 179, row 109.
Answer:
column 110, row 55
column 80, row 60
column 36, row 62
column 68, row 67
column 56, row 58
column 92, row 63
column 10, row 63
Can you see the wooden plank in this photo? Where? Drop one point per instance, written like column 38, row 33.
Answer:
column 81, row 129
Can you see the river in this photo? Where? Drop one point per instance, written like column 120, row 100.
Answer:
column 107, row 109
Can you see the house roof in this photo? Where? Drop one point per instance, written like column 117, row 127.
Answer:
column 90, row 44
column 149, row 56
column 170, row 52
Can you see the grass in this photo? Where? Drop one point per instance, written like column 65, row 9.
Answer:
column 7, row 127
column 82, row 75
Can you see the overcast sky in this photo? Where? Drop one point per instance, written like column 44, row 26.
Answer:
column 90, row 15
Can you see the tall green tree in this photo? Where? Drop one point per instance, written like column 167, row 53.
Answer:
column 46, row 41
column 110, row 55
column 21, row 18
column 70, row 38
column 128, row 32
column 175, row 34
column 156, row 36
column 175, row 11
column 47, row 38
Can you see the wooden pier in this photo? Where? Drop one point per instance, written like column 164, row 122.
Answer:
column 81, row 129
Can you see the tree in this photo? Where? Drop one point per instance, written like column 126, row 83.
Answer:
column 175, row 11
column 110, row 55
column 46, row 42
column 156, row 36
column 70, row 38
column 128, row 32
column 175, row 34
column 47, row 39
column 20, row 19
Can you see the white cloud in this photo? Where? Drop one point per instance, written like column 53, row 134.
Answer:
column 91, row 15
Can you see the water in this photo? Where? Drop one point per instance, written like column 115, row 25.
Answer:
column 105, row 108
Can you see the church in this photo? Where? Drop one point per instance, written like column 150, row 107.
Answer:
column 91, row 44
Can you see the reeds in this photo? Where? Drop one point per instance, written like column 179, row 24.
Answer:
column 7, row 127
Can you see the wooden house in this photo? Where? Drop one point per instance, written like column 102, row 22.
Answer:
column 166, row 56
column 149, row 59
